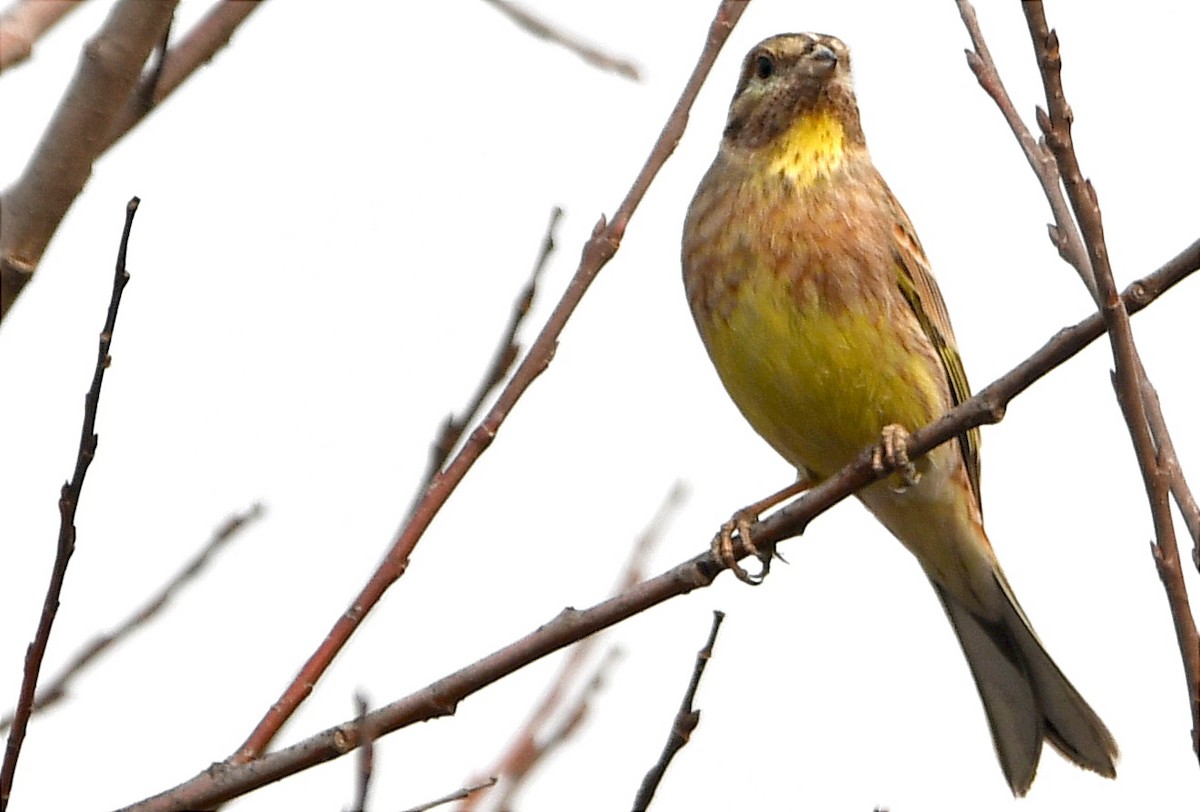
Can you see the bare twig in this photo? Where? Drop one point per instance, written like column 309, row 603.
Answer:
column 57, row 688
column 603, row 245
column 457, row 795
column 530, row 748
column 222, row 782
column 686, row 720
column 68, row 502
column 507, row 351
column 1184, row 499
column 588, row 53
column 531, row 743
column 366, row 758
column 1063, row 234
column 24, row 22
column 1130, row 375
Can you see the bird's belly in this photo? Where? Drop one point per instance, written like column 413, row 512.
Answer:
column 818, row 383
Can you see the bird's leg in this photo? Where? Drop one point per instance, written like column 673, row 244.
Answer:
column 892, row 455
column 739, row 523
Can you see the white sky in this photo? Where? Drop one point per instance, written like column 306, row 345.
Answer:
column 336, row 215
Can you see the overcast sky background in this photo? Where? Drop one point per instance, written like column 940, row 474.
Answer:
column 336, row 215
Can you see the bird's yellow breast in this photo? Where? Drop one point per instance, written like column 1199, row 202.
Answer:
column 819, row 386
column 795, row 294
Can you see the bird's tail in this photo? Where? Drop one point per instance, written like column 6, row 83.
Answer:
column 1026, row 697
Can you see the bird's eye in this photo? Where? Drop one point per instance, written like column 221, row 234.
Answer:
column 764, row 66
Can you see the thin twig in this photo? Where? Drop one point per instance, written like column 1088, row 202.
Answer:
column 68, row 502
column 1063, row 234
column 686, row 720
column 531, row 743
column 222, row 782
column 457, row 795
column 366, row 758
column 1129, row 377
column 1184, row 499
column 57, row 688
column 603, row 245
column 520, row 760
column 24, row 22
column 507, row 351
column 585, row 51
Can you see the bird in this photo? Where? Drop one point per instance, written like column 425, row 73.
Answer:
column 818, row 309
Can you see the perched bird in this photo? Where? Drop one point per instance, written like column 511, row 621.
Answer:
column 815, row 301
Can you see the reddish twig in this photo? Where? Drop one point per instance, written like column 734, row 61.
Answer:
column 530, row 748
column 1130, row 376
column 68, row 502
column 686, row 720
column 603, row 245
column 588, row 53
column 57, row 688
column 222, row 782
column 531, row 743
column 24, row 22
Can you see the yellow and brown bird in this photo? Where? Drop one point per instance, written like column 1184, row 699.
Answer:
column 815, row 301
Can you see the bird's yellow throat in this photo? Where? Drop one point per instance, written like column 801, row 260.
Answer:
column 812, row 148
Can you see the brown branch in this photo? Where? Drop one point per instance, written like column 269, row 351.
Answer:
column 1184, row 500
column 531, row 744
column 34, row 206
column 603, row 245
column 1130, row 375
column 1063, row 234
column 507, row 351
column 588, row 53
column 366, row 758
column 195, row 49
column 68, row 502
column 686, row 720
column 222, row 782
column 457, row 795
column 24, row 22
column 57, row 688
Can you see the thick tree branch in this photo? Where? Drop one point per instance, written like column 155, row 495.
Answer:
column 222, row 782
column 104, row 101
column 108, row 69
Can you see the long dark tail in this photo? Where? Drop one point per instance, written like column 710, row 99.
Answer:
column 1026, row 697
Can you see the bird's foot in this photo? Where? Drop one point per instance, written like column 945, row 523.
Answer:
column 739, row 525
column 892, row 455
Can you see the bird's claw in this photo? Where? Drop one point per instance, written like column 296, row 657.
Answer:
column 892, row 455
column 722, row 548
